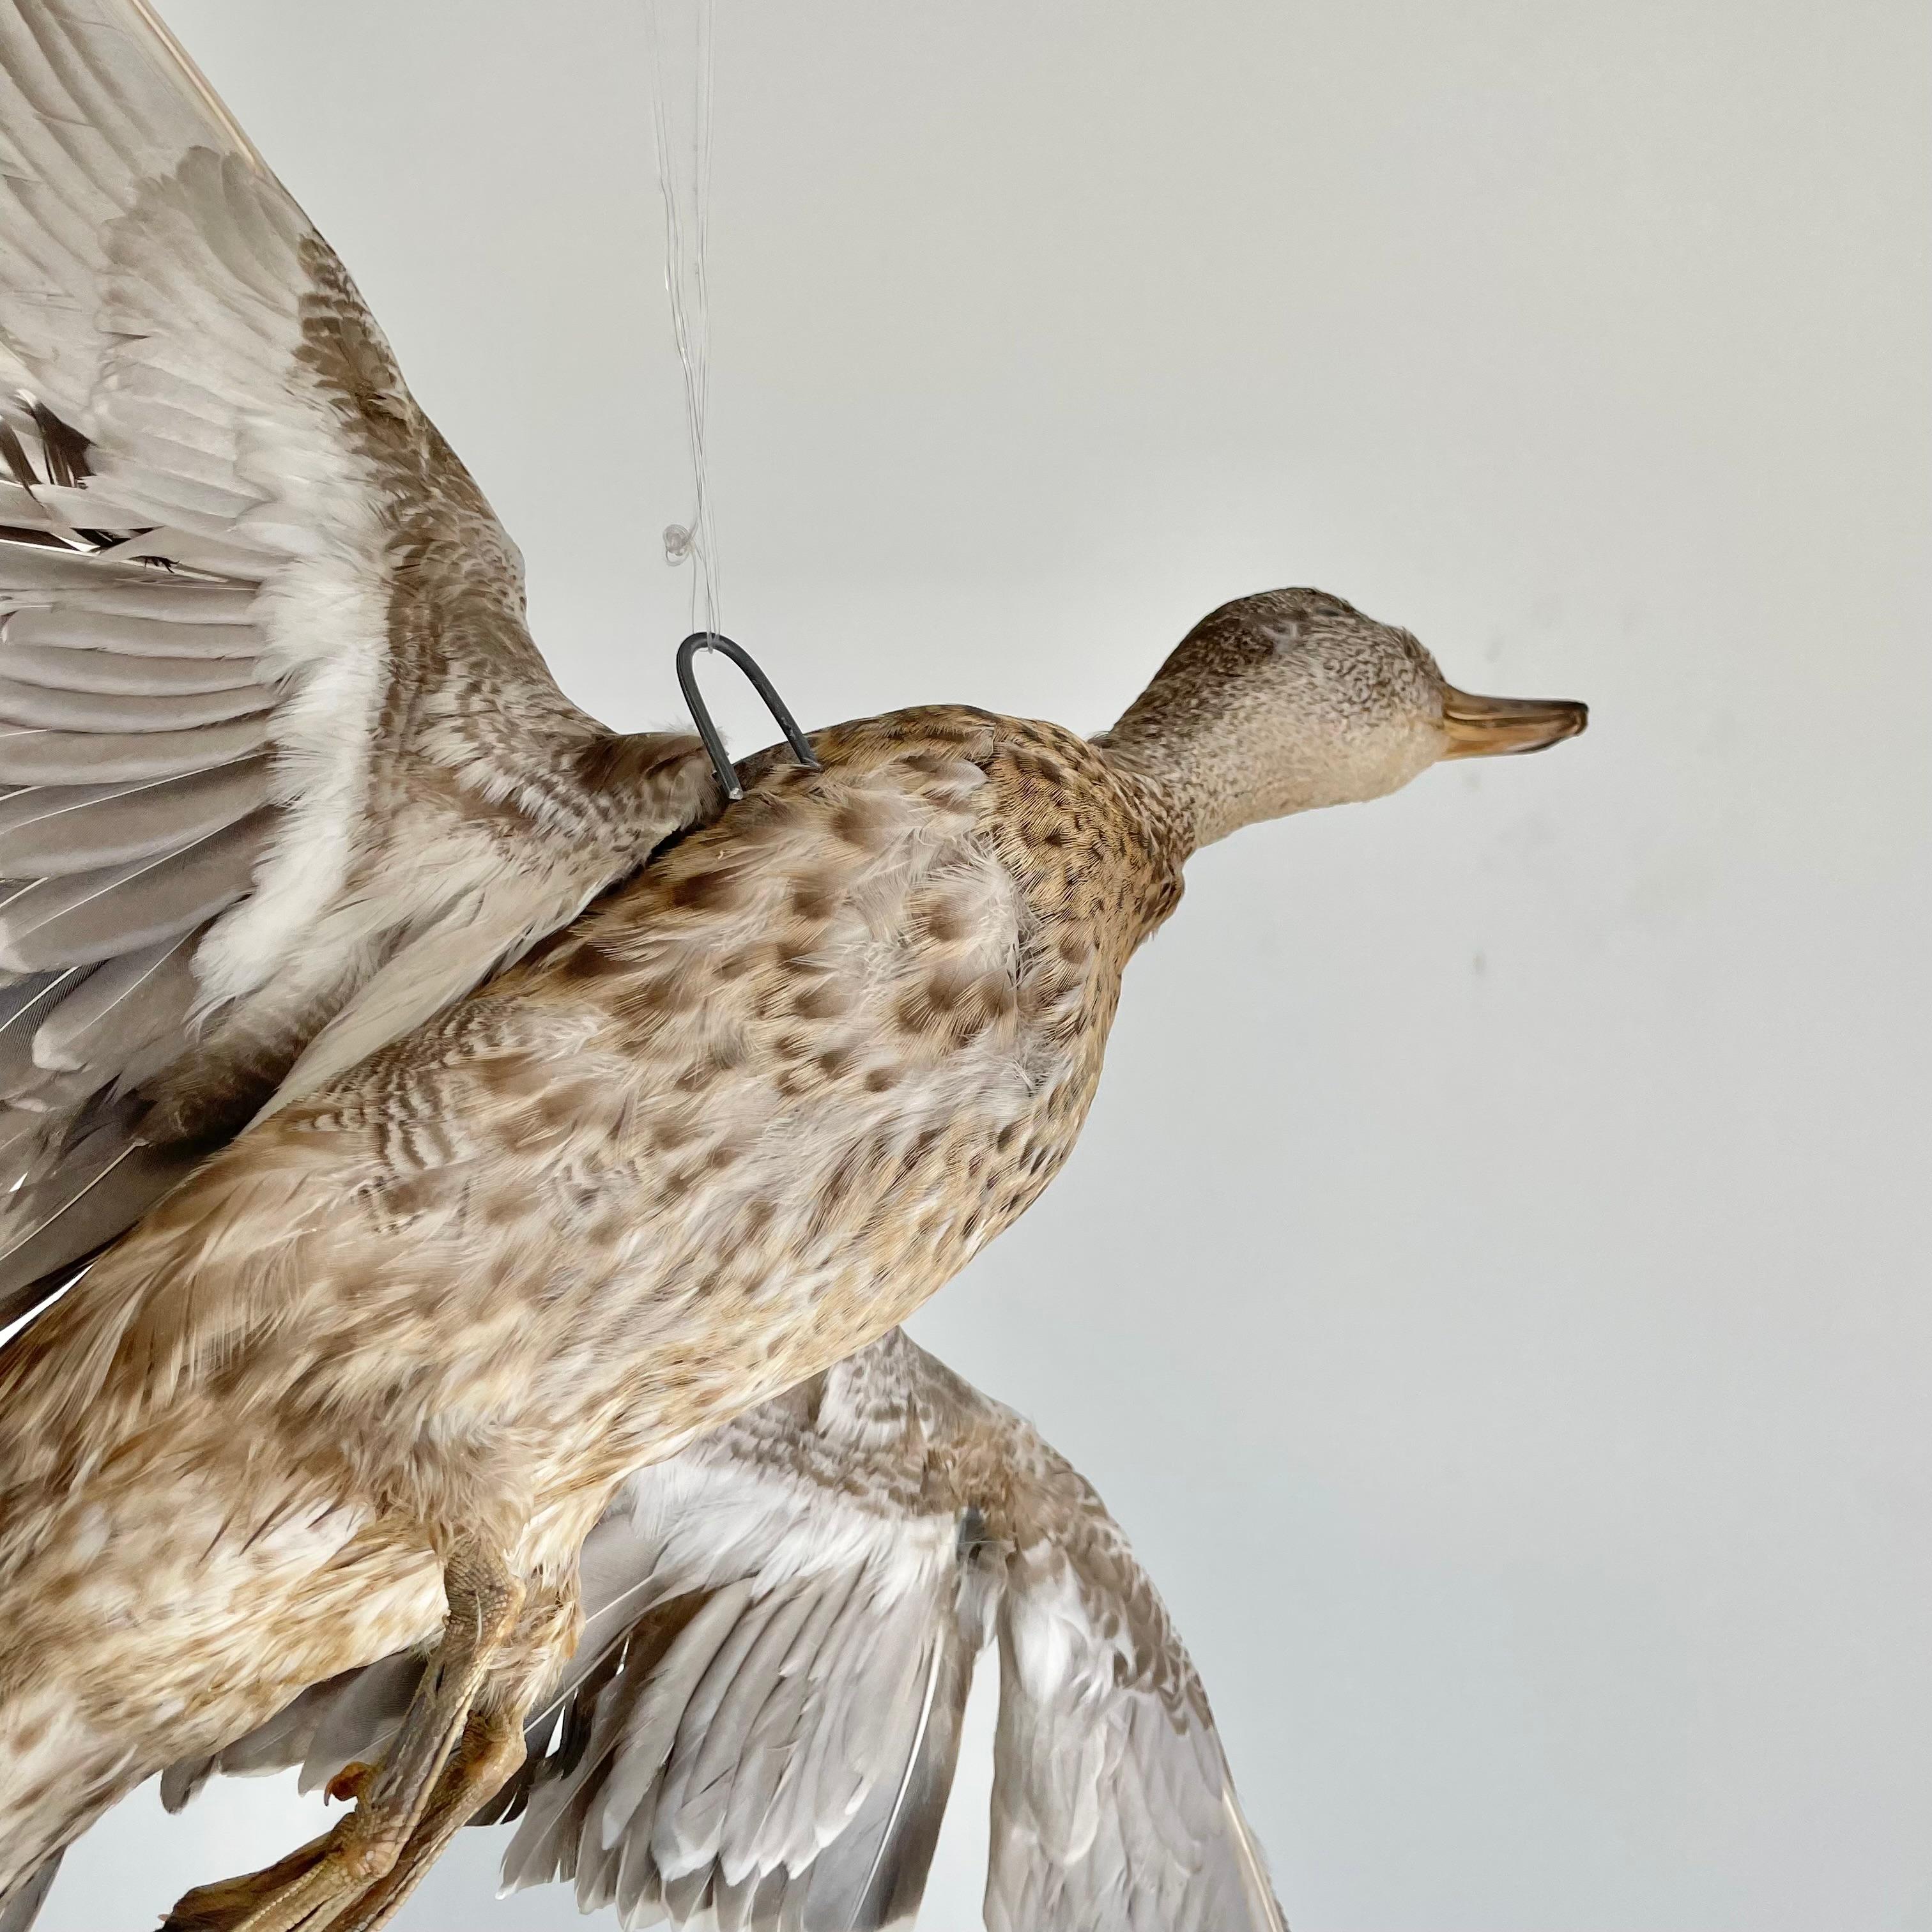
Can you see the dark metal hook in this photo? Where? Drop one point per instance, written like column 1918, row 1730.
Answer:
column 700, row 716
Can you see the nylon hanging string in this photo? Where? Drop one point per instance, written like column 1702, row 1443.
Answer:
column 684, row 186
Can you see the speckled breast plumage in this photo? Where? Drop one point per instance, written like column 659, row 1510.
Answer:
column 744, row 1117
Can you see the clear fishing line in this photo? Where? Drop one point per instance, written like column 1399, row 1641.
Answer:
column 683, row 158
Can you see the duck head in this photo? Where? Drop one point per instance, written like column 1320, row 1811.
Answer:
column 1292, row 699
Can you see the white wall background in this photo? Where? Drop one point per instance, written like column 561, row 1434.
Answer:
column 1492, row 1288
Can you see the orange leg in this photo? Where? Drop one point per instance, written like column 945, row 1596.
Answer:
column 328, row 1881
column 491, row 1749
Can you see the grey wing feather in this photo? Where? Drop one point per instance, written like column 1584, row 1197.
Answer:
column 80, row 919
column 776, row 1748
column 105, row 1181
column 1114, row 1810
column 57, row 758
column 128, row 619
column 49, row 832
column 124, row 673
column 48, row 707
column 131, row 1001
column 232, row 717
column 22, row 1905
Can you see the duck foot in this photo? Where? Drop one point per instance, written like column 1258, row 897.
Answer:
column 277, row 1898
column 445, row 1761
column 329, row 1882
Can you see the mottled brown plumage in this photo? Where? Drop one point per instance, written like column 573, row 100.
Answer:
column 748, row 1113
column 379, row 1365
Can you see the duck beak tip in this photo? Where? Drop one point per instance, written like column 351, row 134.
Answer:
column 1489, row 727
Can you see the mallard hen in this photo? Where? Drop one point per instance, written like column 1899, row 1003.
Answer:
column 293, row 787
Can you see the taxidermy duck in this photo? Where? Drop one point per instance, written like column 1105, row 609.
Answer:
column 591, row 1115
column 762, row 1720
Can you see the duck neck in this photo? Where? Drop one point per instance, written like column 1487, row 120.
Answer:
column 1193, row 746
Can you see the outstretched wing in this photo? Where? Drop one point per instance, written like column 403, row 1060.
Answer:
column 762, row 1720
column 773, row 1738
column 1113, row 1807
column 281, row 769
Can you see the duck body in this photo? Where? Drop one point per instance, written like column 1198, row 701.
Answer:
column 737, row 1122
column 535, row 1184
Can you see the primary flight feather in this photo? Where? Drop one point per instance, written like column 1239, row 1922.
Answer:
column 544, row 1189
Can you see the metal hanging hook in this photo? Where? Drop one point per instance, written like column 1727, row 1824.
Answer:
column 700, row 715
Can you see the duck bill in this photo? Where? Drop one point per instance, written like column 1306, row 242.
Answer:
column 1495, row 727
